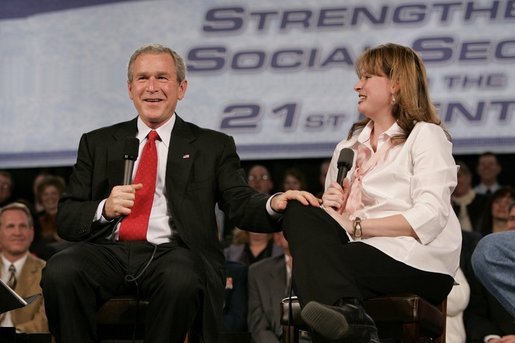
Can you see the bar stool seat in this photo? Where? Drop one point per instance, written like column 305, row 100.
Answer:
column 406, row 318
column 121, row 318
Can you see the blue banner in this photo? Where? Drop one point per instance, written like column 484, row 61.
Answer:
column 278, row 76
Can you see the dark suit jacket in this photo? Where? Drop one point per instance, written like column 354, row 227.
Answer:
column 240, row 252
column 476, row 211
column 30, row 318
column 267, row 287
column 202, row 169
column 484, row 315
column 236, row 297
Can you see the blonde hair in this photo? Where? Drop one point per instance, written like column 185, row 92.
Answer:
column 403, row 66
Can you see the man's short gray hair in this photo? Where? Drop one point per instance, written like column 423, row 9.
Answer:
column 20, row 207
column 180, row 67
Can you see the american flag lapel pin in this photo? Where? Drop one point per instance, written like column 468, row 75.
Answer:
column 186, row 156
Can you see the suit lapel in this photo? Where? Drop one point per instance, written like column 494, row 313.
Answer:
column 26, row 277
column 277, row 287
column 181, row 155
column 115, row 150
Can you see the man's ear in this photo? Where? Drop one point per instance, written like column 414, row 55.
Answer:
column 129, row 89
column 182, row 89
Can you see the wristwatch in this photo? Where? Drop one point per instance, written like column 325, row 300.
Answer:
column 357, row 229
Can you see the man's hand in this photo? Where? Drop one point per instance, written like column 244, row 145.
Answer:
column 120, row 201
column 503, row 339
column 280, row 201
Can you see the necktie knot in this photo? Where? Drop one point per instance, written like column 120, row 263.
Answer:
column 153, row 135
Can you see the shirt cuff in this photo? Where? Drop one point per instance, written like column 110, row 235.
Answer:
column 98, row 214
column 270, row 210
column 489, row 337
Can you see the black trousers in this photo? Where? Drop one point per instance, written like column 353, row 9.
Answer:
column 78, row 280
column 327, row 268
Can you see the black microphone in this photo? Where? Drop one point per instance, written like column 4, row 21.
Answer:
column 345, row 161
column 130, row 154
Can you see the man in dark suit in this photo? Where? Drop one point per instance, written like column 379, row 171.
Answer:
column 269, row 283
column 176, row 261
column 268, row 280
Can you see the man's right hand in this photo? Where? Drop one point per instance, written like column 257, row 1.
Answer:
column 120, row 201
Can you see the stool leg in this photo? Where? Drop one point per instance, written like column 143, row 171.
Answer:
column 290, row 334
column 410, row 333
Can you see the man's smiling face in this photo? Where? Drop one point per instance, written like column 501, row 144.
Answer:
column 154, row 88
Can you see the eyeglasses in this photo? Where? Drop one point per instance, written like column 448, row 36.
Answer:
column 258, row 178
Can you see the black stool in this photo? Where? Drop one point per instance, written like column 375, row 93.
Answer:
column 407, row 318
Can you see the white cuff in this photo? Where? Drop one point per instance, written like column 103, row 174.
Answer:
column 270, row 210
column 98, row 214
column 489, row 337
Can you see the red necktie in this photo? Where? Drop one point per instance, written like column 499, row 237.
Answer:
column 134, row 226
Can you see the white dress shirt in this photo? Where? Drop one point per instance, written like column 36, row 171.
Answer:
column 415, row 180
column 6, row 274
column 457, row 302
column 159, row 230
column 484, row 189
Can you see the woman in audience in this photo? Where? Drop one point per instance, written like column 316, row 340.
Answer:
column 49, row 191
column 497, row 211
column 294, row 179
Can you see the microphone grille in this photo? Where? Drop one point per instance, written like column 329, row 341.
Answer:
column 346, row 157
column 130, row 150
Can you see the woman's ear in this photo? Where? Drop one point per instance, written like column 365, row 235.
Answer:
column 395, row 86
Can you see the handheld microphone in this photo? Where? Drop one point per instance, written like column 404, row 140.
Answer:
column 345, row 161
column 130, row 154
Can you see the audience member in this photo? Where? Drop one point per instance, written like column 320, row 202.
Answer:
column 294, row 179
column 269, row 283
column 6, row 187
column 20, row 270
column 236, row 297
column 485, row 318
column 457, row 302
column 250, row 247
column 488, row 170
column 468, row 205
column 259, row 179
column 493, row 262
column 50, row 190
column 48, row 194
column 495, row 218
column 38, row 207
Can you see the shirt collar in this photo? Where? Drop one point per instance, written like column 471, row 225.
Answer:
column 164, row 131
column 18, row 264
column 394, row 130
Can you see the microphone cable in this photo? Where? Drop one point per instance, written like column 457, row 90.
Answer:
column 131, row 278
